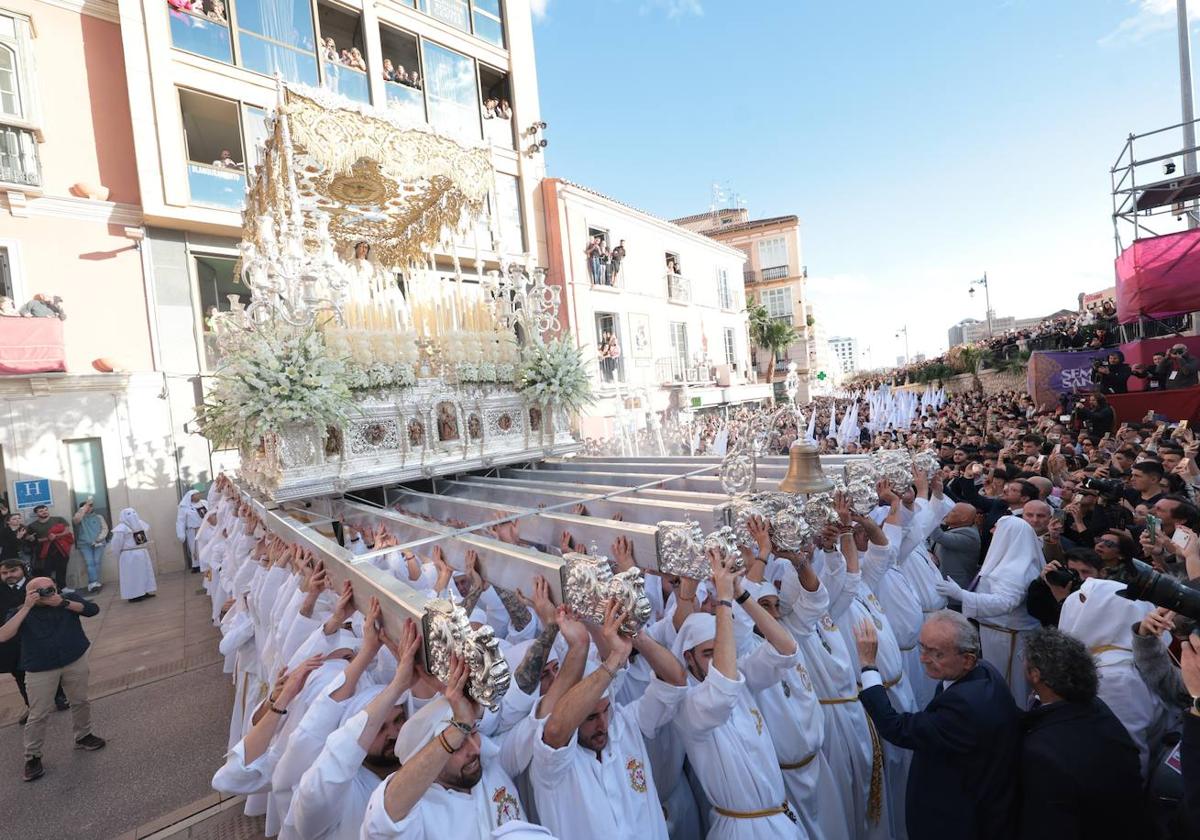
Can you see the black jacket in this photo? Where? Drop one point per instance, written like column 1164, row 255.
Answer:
column 966, row 745
column 1190, row 756
column 53, row 637
column 10, row 651
column 1080, row 776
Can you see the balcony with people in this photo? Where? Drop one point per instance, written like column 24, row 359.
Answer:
column 603, row 262
column 679, row 288
column 343, row 52
column 270, row 36
column 215, row 156
column 402, row 79
column 32, row 335
column 497, row 110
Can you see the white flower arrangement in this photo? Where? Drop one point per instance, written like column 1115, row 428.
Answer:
column 554, row 373
column 403, row 375
column 357, row 378
column 380, row 374
column 270, row 378
column 487, row 372
column 468, row 372
column 506, row 372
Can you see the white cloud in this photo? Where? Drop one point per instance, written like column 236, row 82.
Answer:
column 538, row 8
column 1151, row 16
column 673, row 8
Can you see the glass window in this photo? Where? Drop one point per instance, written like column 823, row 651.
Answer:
column 402, row 74
column 217, row 279
column 679, row 342
column 777, row 302
column 453, row 12
column 18, row 157
column 485, row 17
column 6, row 278
column 508, row 216
column 343, row 52
column 277, row 36
column 451, row 89
column 608, row 347
column 772, row 253
column 724, row 296
column 10, row 94
column 204, row 30
column 86, row 459
column 216, row 164
column 254, row 120
column 730, row 346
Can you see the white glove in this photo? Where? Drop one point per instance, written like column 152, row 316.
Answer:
column 947, row 588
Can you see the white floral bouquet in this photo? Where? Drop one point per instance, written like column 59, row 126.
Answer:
column 403, row 375
column 270, row 378
column 380, row 374
column 554, row 373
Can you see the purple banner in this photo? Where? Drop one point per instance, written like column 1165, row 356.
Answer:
column 1052, row 373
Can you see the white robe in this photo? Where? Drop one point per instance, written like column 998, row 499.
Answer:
column 796, row 722
column 134, row 565
column 331, row 799
column 730, row 749
column 1104, row 622
column 613, row 798
column 443, row 814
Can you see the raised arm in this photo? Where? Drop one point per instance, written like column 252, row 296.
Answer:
column 529, row 672
column 13, row 625
column 725, row 649
column 581, row 698
column 408, row 784
column 287, row 686
column 381, row 708
column 664, row 664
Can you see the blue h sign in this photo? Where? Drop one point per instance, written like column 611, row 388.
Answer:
column 33, row 493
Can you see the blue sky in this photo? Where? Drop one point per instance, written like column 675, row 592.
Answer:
column 920, row 143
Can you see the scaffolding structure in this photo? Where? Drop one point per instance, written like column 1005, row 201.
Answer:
column 1154, row 194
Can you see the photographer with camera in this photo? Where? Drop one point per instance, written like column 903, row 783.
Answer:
column 1169, row 541
column 1057, row 580
column 1087, row 517
column 1112, row 374
column 1155, row 373
column 53, row 648
column 1096, row 414
column 1183, row 367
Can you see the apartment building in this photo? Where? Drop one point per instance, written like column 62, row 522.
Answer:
column 126, row 134
column 845, row 352
column 82, row 413
column 673, row 307
column 774, row 276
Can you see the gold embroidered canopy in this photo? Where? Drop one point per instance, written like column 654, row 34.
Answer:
column 401, row 189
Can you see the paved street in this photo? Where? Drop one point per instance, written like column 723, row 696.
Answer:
column 164, row 708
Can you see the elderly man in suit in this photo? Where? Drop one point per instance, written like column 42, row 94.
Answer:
column 966, row 743
column 956, row 545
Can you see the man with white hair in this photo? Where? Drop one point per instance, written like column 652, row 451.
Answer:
column 730, row 750
column 1040, row 517
column 996, row 599
column 590, row 767
column 965, row 743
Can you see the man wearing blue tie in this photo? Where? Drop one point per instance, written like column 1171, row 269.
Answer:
column 966, row 744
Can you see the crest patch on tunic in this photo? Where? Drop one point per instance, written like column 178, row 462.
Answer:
column 507, row 807
column 758, row 721
column 637, row 775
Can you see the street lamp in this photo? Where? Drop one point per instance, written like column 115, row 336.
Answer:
column 986, row 297
column 904, row 330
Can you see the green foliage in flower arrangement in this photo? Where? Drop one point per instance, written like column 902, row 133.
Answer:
column 270, row 378
column 554, row 373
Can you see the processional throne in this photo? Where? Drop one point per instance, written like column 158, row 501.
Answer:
column 408, row 364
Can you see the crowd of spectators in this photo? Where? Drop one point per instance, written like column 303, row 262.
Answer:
column 39, row 306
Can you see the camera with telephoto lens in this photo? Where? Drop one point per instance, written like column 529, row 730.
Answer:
column 45, row 591
column 1145, row 584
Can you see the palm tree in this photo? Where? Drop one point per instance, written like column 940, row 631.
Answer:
column 771, row 334
column 971, row 359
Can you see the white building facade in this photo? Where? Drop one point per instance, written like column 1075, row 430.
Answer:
column 845, row 351
column 674, row 310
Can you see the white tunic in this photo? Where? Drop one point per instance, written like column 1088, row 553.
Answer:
column 134, row 565
column 730, row 749
column 331, row 799
column 613, row 798
column 796, row 722
column 443, row 814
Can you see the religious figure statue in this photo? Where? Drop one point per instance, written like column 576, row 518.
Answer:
column 447, row 422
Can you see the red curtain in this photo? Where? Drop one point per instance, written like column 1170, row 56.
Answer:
column 32, row 345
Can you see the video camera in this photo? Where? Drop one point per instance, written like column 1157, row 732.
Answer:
column 1108, row 489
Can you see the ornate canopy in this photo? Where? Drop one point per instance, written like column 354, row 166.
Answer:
column 368, row 176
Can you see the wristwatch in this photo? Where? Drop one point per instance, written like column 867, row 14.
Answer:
column 745, row 596
column 866, row 668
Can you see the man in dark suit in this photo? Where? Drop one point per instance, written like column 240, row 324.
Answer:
column 1068, row 736
column 956, row 545
column 966, row 744
column 12, row 596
